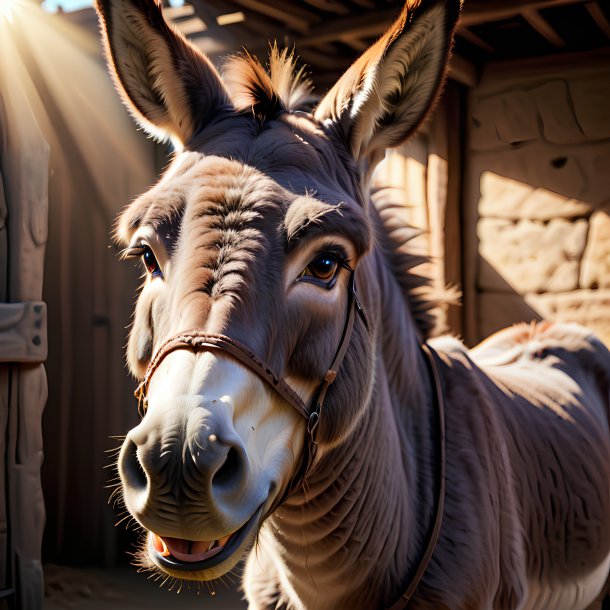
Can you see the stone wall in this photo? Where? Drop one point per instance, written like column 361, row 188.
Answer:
column 538, row 197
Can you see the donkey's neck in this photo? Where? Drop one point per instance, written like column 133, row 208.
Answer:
column 356, row 521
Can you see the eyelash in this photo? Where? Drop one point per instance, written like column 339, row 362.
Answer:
column 140, row 251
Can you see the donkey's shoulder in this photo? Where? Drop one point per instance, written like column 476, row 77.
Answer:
column 538, row 340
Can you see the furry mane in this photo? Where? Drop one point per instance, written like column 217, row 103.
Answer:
column 268, row 91
column 426, row 300
column 283, row 87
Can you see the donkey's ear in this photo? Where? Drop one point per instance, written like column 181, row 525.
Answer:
column 171, row 88
column 388, row 91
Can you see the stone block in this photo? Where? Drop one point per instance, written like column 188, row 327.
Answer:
column 518, row 119
column 595, row 268
column 531, row 256
column 555, row 108
column 559, row 169
column 483, row 131
column 503, row 197
column 591, row 106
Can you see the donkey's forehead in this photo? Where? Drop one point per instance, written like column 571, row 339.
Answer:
column 286, row 164
column 199, row 182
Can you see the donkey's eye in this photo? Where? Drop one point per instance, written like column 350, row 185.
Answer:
column 323, row 267
column 322, row 270
column 144, row 252
column 150, row 262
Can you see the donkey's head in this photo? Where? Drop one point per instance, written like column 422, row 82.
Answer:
column 250, row 241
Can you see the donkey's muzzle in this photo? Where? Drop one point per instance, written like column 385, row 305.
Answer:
column 173, row 475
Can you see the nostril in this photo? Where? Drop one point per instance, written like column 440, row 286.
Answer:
column 132, row 473
column 229, row 472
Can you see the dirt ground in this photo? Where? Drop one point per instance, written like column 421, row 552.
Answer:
column 125, row 589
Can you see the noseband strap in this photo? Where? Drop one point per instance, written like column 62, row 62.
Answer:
column 197, row 341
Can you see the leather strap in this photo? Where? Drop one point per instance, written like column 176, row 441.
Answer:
column 198, row 341
column 310, row 445
column 432, row 362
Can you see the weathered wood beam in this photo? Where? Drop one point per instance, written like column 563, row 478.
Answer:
column 332, row 6
column 598, row 16
column 484, row 11
column 471, row 37
column 368, row 25
column 463, row 71
column 294, row 17
column 371, row 25
column 543, row 27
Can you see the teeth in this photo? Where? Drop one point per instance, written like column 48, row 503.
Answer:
column 224, row 540
column 212, row 544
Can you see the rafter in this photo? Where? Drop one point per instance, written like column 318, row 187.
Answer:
column 598, row 16
column 471, row 37
column 482, row 11
column 543, row 27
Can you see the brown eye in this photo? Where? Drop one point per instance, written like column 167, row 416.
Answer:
column 323, row 270
column 323, row 267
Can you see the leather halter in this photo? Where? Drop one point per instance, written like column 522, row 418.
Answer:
column 198, row 341
column 432, row 361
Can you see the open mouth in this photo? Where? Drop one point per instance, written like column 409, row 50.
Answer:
column 199, row 555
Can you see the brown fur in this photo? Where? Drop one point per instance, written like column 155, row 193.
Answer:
column 260, row 189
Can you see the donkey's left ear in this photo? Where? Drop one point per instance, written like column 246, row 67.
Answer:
column 384, row 96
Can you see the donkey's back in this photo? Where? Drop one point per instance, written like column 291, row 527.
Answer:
column 529, row 448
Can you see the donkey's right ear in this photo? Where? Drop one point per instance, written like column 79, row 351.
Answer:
column 171, row 88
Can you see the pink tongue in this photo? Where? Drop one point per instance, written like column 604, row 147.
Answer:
column 179, row 548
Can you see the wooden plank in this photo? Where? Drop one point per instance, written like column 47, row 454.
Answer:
column 330, row 6
column 369, row 25
column 484, row 11
column 471, row 37
column 453, row 228
column 543, row 27
column 463, row 71
column 294, row 17
column 599, row 17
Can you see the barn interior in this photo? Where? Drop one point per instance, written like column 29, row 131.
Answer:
column 508, row 182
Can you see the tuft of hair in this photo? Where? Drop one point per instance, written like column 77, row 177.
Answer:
column 266, row 92
column 426, row 300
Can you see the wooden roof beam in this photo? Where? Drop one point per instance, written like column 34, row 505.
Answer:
column 331, row 6
column 484, row 11
column 368, row 25
column 598, row 16
column 543, row 27
column 294, row 17
column 471, row 37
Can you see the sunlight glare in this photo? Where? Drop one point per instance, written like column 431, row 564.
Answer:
column 7, row 9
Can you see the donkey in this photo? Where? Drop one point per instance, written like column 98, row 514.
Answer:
column 294, row 412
